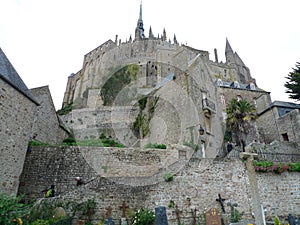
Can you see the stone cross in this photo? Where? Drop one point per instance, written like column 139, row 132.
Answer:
column 177, row 211
column 194, row 215
column 221, row 200
column 108, row 213
column 124, row 207
column 232, row 205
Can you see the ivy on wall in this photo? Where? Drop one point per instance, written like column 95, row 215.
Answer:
column 117, row 82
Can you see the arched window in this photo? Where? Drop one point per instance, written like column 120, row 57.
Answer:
column 252, row 86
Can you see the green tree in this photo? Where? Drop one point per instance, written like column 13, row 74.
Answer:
column 11, row 210
column 293, row 83
column 239, row 117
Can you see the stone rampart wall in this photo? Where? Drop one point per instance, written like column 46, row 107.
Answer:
column 195, row 185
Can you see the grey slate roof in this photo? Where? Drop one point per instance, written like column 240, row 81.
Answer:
column 10, row 75
column 285, row 104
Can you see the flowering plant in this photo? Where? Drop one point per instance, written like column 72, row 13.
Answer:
column 144, row 217
column 268, row 166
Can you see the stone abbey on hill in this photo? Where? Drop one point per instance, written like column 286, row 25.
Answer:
column 182, row 87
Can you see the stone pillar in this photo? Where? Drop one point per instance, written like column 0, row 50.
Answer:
column 256, row 206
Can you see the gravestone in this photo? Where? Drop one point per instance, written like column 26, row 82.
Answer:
column 109, row 220
column 292, row 220
column 161, row 216
column 213, row 217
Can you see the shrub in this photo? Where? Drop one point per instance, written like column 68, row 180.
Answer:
column 168, row 177
column 11, row 209
column 65, row 110
column 155, row 145
column 144, row 217
column 69, row 141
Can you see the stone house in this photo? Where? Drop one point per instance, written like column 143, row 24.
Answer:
column 18, row 107
column 25, row 115
column 280, row 121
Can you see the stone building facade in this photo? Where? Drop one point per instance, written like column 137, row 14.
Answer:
column 46, row 127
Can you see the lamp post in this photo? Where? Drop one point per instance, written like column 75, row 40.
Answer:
column 201, row 130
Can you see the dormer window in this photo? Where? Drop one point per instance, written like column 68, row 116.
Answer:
column 252, row 86
column 236, row 84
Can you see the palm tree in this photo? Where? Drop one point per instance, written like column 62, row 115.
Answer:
column 240, row 114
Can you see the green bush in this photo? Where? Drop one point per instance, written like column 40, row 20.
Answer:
column 168, row 177
column 294, row 167
column 144, row 217
column 65, row 110
column 109, row 142
column 69, row 141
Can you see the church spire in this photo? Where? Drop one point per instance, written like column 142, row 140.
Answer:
column 139, row 30
column 140, row 17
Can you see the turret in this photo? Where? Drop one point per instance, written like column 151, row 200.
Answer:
column 164, row 36
column 151, row 36
column 229, row 54
column 175, row 40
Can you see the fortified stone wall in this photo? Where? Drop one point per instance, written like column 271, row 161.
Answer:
column 195, row 185
column 17, row 113
column 46, row 126
column 112, row 121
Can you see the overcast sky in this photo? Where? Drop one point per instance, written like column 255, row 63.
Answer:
column 47, row 40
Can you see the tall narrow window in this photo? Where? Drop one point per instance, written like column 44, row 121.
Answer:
column 222, row 99
column 285, row 137
column 202, row 147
